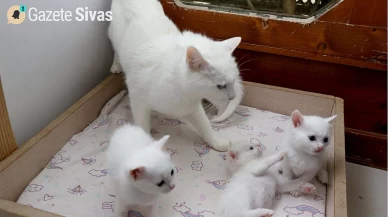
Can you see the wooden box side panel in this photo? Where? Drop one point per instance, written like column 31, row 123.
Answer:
column 340, row 201
column 23, row 165
column 7, row 138
column 12, row 209
column 285, row 101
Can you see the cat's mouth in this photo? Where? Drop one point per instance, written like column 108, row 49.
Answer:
column 210, row 109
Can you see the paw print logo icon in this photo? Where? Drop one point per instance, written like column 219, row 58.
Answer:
column 16, row 14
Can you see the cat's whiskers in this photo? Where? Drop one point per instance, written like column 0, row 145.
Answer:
column 239, row 66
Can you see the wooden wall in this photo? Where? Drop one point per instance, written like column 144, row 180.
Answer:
column 343, row 53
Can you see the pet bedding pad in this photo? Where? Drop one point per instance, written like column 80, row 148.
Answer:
column 76, row 182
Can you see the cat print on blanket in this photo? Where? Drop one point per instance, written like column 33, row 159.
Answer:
column 197, row 165
column 108, row 205
column 303, row 211
column 88, row 161
column 186, row 211
column 57, row 160
column 244, row 127
column 201, row 148
column 98, row 173
column 244, row 112
column 219, row 184
column 34, row 188
column 78, row 190
column 102, row 123
column 132, row 213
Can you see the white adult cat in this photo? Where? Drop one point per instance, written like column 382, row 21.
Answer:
column 141, row 170
column 251, row 190
column 171, row 72
column 305, row 144
column 241, row 153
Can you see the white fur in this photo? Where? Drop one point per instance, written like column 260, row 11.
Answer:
column 306, row 158
column 130, row 149
column 171, row 72
column 240, row 154
column 250, row 191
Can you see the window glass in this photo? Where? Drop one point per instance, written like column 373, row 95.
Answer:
column 293, row 8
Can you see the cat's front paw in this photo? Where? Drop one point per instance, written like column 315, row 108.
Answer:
column 116, row 68
column 281, row 156
column 323, row 176
column 296, row 193
column 220, row 144
column 267, row 213
column 307, row 188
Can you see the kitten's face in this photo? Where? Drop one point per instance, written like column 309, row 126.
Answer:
column 310, row 134
column 155, row 173
column 157, row 180
column 241, row 154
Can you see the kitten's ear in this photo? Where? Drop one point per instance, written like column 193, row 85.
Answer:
column 233, row 155
column 231, row 43
column 297, row 118
column 160, row 144
column 194, row 59
column 137, row 173
column 329, row 120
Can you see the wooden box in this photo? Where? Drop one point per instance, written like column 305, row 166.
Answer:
column 19, row 168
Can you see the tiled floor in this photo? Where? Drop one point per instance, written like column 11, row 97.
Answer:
column 366, row 191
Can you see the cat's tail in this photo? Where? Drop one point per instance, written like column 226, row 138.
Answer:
column 232, row 106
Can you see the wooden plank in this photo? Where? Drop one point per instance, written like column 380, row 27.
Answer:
column 7, row 138
column 340, row 202
column 364, row 90
column 12, row 209
column 330, row 191
column 311, row 56
column 356, row 45
column 42, row 147
column 273, row 99
column 366, row 148
column 369, row 13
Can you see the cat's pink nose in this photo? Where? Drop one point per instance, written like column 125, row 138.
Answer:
column 172, row 186
column 318, row 149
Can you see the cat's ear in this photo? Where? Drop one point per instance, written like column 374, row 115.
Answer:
column 297, row 118
column 231, row 43
column 194, row 59
column 137, row 172
column 232, row 155
column 329, row 120
column 160, row 144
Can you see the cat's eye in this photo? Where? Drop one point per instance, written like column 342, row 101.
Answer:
column 251, row 148
column 172, row 172
column 221, row 86
column 325, row 140
column 312, row 138
column 160, row 184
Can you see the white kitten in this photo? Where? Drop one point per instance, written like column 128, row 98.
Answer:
column 141, row 170
column 171, row 72
column 305, row 144
column 240, row 154
column 250, row 191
